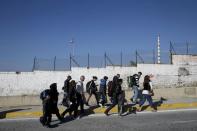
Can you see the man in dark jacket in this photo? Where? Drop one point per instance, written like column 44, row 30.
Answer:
column 116, row 92
column 65, row 88
column 50, row 106
column 92, row 90
column 73, row 100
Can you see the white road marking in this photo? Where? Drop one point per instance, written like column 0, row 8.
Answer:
column 182, row 122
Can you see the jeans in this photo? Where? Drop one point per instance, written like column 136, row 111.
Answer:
column 103, row 97
column 148, row 98
column 80, row 102
column 136, row 92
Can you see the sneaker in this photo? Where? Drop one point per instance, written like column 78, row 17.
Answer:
column 99, row 105
column 154, row 110
column 125, row 113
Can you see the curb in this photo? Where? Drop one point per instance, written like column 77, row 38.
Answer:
column 163, row 107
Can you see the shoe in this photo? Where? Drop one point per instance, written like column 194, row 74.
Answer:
column 99, row 105
column 124, row 114
column 139, row 109
column 154, row 110
column 106, row 113
column 48, row 125
column 131, row 99
column 62, row 116
column 41, row 121
column 80, row 116
column 61, row 120
column 87, row 104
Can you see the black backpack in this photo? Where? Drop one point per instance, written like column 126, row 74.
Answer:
column 130, row 81
column 44, row 94
column 88, row 86
column 109, row 89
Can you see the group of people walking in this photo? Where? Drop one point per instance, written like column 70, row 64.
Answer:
column 74, row 96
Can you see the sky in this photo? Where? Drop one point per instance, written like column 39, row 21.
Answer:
column 43, row 28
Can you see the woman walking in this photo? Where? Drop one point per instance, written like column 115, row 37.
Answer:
column 147, row 94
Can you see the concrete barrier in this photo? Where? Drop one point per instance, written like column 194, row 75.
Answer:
column 169, row 93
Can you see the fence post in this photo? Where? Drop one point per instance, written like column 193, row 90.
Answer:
column 136, row 57
column 153, row 56
column 170, row 52
column 34, row 64
column 105, row 59
column 70, row 61
column 121, row 59
column 88, row 60
column 54, row 64
column 187, row 44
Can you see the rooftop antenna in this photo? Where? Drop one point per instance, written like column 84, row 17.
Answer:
column 158, row 50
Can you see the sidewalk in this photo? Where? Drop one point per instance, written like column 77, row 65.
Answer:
column 36, row 111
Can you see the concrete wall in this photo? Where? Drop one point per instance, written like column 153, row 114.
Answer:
column 32, row 83
column 168, row 93
column 184, row 59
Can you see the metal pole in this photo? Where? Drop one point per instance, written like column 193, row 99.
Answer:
column 54, row 63
column 88, row 60
column 105, row 59
column 153, row 56
column 34, row 64
column 136, row 57
column 187, row 44
column 70, row 61
column 121, row 59
column 170, row 52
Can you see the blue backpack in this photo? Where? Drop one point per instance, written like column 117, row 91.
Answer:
column 103, row 82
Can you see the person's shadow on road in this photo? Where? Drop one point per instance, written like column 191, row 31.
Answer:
column 68, row 118
column 4, row 113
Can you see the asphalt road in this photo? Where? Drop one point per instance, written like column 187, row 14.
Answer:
column 159, row 121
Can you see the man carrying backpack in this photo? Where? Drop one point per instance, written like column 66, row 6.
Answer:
column 136, row 87
column 65, row 88
column 50, row 100
column 92, row 90
column 103, row 89
column 73, row 100
column 116, row 95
